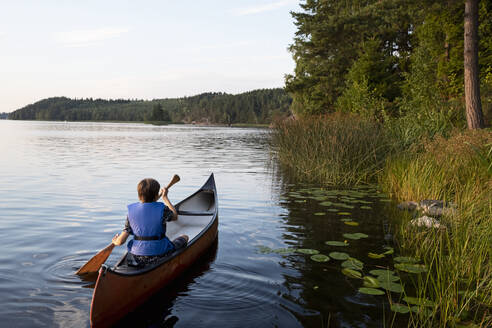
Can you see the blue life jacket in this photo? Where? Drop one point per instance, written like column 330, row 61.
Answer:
column 146, row 223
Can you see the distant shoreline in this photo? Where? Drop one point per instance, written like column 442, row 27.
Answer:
column 234, row 125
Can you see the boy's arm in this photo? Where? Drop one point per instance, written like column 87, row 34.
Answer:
column 120, row 239
column 168, row 204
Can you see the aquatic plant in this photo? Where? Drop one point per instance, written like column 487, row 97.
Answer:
column 337, row 149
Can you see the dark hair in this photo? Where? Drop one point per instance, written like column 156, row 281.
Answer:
column 148, row 189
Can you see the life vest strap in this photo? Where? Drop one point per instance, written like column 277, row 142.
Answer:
column 149, row 237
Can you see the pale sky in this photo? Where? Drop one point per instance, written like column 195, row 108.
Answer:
column 141, row 49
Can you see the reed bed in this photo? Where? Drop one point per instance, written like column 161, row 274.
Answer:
column 337, row 149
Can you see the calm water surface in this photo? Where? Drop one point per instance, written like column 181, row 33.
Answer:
column 64, row 188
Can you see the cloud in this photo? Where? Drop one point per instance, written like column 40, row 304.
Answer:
column 261, row 8
column 90, row 37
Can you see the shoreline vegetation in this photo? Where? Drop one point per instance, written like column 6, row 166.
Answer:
column 380, row 91
column 348, row 150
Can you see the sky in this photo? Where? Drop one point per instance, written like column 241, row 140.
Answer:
column 141, row 49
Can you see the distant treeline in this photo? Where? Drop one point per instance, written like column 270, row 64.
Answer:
column 3, row 116
column 258, row 106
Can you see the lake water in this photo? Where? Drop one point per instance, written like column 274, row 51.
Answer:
column 63, row 194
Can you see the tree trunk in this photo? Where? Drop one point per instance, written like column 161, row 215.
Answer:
column 474, row 116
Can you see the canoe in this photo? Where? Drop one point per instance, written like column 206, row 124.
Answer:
column 122, row 288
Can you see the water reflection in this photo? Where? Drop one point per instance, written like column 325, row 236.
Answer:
column 316, row 216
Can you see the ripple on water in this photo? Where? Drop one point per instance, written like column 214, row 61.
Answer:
column 60, row 272
column 234, row 291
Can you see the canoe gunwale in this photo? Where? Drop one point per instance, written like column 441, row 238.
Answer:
column 208, row 186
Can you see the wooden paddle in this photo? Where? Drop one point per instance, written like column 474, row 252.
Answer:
column 95, row 262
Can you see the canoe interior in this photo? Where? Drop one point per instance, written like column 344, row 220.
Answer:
column 201, row 203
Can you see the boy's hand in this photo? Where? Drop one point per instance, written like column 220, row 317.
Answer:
column 115, row 239
column 164, row 192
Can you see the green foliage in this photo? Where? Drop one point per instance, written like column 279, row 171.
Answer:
column 329, row 37
column 386, row 59
column 370, row 83
column 259, row 106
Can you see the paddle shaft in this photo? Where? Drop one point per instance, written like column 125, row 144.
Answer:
column 174, row 180
column 97, row 260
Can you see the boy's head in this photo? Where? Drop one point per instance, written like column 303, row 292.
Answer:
column 148, row 190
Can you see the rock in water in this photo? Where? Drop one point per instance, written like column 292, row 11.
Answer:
column 427, row 221
column 409, row 206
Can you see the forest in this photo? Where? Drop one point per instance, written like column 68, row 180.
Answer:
column 387, row 59
column 254, row 107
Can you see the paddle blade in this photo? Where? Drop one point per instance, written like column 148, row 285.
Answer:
column 175, row 179
column 95, row 263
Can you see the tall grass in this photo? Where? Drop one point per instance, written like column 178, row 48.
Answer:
column 459, row 279
column 337, row 149
column 413, row 164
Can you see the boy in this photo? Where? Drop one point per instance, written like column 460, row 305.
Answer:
column 146, row 220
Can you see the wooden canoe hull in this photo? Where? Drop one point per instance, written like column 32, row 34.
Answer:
column 115, row 295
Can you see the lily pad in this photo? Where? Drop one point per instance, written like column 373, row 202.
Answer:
column 411, row 268
column 307, row 251
column 353, row 264
column 380, row 272
column 400, row 308
column 391, row 286
column 320, row 258
column 419, row 301
column 355, row 236
column 366, row 207
column 344, row 213
column 300, row 201
column 351, row 223
column 339, row 255
column 371, row 291
column 405, row 259
column 371, row 282
column 336, row 243
column 426, row 312
column 346, row 220
column 389, row 250
column 283, row 250
column 264, row 249
column 327, row 203
column 352, row 273
column 375, row 256
column 319, row 213
column 388, row 278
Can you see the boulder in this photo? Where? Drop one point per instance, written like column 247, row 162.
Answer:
column 427, row 221
column 436, row 207
column 409, row 206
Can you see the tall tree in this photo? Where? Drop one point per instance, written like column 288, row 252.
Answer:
column 474, row 116
column 330, row 36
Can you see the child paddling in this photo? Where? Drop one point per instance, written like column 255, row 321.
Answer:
column 146, row 221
